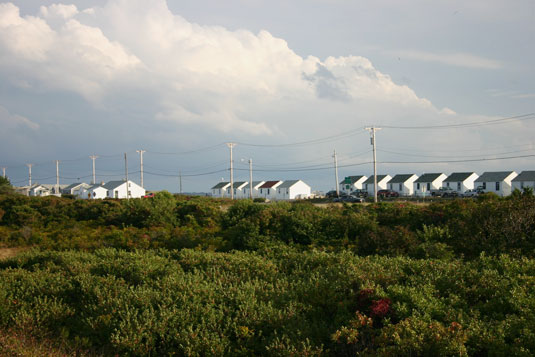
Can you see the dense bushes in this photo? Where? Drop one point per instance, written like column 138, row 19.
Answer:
column 439, row 230
column 277, row 301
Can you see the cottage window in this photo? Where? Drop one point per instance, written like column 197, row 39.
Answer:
column 418, row 186
column 521, row 184
column 447, row 184
column 401, row 187
column 458, row 186
column 497, row 186
column 484, row 185
column 268, row 191
column 429, row 186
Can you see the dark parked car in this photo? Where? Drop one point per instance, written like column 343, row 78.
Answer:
column 387, row 193
column 360, row 193
column 352, row 199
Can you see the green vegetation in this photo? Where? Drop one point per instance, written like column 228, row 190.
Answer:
column 456, row 228
column 196, row 276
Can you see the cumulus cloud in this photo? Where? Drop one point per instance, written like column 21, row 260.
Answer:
column 203, row 74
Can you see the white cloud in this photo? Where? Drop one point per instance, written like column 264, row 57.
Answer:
column 195, row 74
column 451, row 59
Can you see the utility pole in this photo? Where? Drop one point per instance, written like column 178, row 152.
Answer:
column 372, row 132
column 93, row 157
column 251, row 179
column 126, row 174
column 231, row 145
column 29, row 174
column 180, row 180
column 336, row 174
column 141, row 164
column 57, row 176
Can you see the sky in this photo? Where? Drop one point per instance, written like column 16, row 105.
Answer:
column 451, row 84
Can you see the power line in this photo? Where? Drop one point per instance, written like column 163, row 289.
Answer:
column 528, row 116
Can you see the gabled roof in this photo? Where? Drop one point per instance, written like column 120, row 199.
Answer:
column 269, row 184
column 257, row 183
column 288, row 183
column 113, row 184
column 352, row 179
column 239, row 184
column 74, row 185
column 220, row 185
column 525, row 176
column 458, row 176
column 428, row 177
column 494, row 176
column 379, row 178
column 401, row 178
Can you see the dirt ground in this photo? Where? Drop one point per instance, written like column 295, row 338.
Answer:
column 9, row 252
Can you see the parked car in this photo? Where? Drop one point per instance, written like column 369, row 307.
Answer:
column 473, row 193
column 359, row 193
column 444, row 192
column 387, row 193
column 352, row 199
column 149, row 195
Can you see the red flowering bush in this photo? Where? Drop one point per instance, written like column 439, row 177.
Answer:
column 380, row 308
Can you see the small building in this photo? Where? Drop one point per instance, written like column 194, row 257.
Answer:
column 93, row 192
column 220, row 189
column 124, row 189
column 524, row 180
column 403, row 184
column 39, row 190
column 427, row 182
column 73, row 188
column 238, row 189
column 43, row 190
column 382, row 181
column 268, row 189
column 256, row 186
column 499, row 182
column 293, row 189
column 352, row 183
column 460, row 181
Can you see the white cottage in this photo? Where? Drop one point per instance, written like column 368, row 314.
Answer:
column 256, row 187
column 73, row 188
column 352, row 183
column 268, row 189
column 93, row 192
column 39, row 190
column 119, row 189
column 220, row 189
column 524, row 180
column 499, row 182
column 460, row 181
column 238, row 189
column 382, row 181
column 403, row 184
column 293, row 189
column 427, row 182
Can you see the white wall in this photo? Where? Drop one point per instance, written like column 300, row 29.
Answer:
column 136, row 191
column 521, row 184
column 299, row 188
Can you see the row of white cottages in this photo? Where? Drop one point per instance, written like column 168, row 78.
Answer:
column 501, row 183
column 270, row 190
column 82, row 190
